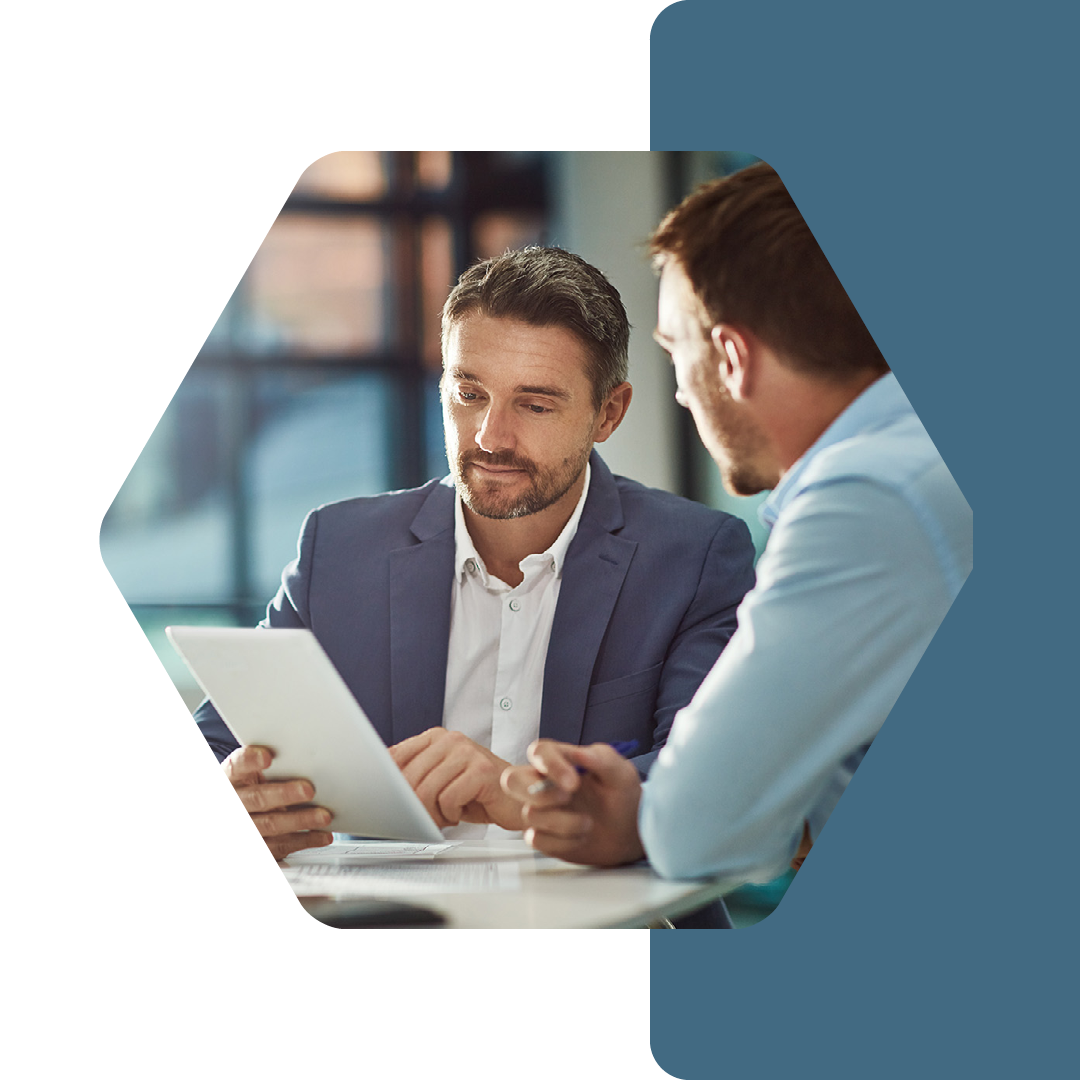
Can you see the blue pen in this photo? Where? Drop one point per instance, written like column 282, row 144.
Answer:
column 625, row 749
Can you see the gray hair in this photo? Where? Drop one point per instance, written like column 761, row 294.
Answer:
column 549, row 287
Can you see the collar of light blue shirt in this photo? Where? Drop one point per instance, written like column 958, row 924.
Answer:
column 881, row 403
column 465, row 549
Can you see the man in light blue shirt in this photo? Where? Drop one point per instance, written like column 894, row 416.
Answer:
column 870, row 542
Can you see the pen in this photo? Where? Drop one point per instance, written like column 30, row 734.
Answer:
column 623, row 748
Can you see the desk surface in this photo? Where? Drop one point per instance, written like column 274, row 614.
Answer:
column 504, row 884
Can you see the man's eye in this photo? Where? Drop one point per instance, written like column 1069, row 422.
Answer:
column 538, row 409
column 466, row 395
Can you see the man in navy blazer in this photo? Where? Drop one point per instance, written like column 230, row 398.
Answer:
column 643, row 585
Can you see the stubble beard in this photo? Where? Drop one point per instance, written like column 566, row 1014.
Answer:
column 741, row 480
column 737, row 446
column 546, row 486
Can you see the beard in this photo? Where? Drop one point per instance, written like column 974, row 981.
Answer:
column 737, row 445
column 546, row 486
column 742, row 479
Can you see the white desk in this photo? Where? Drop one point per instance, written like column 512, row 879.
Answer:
column 504, row 884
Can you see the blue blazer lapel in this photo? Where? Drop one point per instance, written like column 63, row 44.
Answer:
column 593, row 572
column 420, row 581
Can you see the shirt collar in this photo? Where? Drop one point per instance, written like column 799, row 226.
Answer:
column 879, row 404
column 465, row 549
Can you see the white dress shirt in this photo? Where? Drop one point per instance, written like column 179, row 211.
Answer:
column 870, row 543
column 498, row 645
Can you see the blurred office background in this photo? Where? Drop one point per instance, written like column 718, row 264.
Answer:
column 319, row 380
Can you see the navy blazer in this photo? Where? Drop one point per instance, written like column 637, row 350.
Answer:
column 651, row 583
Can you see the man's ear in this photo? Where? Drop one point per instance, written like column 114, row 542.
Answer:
column 612, row 411
column 736, row 358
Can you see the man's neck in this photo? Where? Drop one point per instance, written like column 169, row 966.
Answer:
column 810, row 412
column 503, row 543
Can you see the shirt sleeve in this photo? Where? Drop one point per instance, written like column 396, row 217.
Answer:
column 849, row 593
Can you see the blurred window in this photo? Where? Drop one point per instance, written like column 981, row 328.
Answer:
column 318, row 382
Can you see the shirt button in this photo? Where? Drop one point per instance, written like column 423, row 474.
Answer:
column 515, row 605
column 470, row 565
column 553, row 566
column 506, row 704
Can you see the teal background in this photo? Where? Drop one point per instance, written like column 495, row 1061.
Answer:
column 931, row 148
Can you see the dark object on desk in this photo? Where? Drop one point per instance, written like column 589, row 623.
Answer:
column 713, row 916
column 363, row 914
column 118, row 798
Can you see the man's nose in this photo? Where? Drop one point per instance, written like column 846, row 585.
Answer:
column 496, row 432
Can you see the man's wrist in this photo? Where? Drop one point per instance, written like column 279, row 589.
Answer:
column 505, row 812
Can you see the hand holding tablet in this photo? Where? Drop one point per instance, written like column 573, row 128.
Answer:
column 277, row 689
column 280, row 809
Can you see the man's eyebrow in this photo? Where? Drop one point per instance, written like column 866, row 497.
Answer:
column 544, row 391
column 464, row 376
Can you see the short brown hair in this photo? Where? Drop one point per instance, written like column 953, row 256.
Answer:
column 753, row 261
column 549, row 287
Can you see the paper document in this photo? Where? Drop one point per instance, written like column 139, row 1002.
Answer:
column 406, row 879
column 361, row 851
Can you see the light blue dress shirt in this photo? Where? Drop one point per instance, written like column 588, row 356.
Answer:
column 870, row 542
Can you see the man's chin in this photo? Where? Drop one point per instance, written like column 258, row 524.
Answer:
column 498, row 509
column 501, row 513
column 743, row 483
column 499, row 505
column 503, row 499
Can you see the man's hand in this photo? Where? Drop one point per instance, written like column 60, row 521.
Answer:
column 273, row 804
column 457, row 779
column 587, row 816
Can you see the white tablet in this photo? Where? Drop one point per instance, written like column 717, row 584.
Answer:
column 277, row 688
